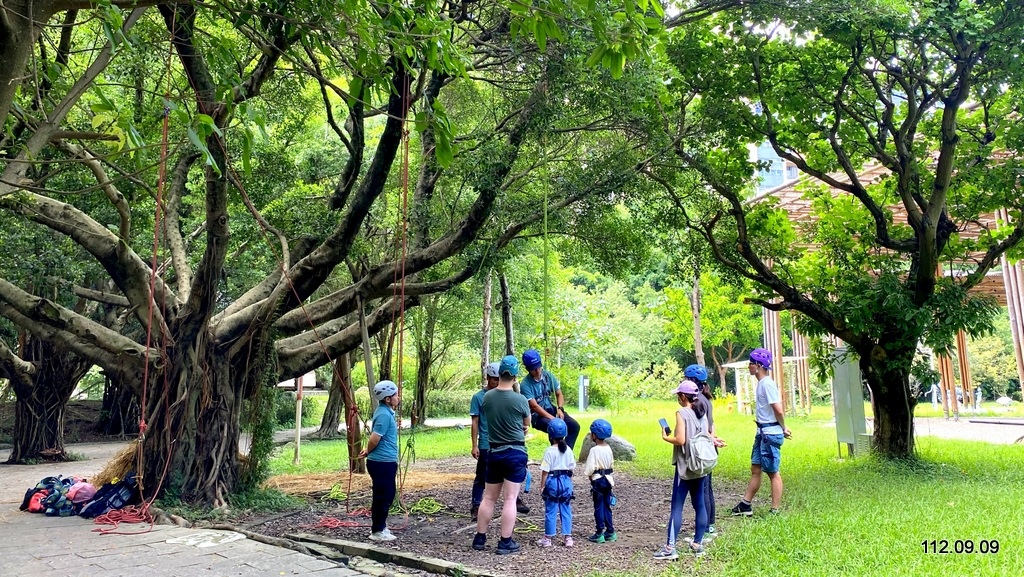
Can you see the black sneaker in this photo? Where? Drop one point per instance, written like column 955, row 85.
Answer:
column 479, row 541
column 506, row 546
column 522, row 507
column 596, row 538
column 742, row 508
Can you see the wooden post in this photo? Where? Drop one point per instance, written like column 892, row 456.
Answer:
column 1014, row 304
column 485, row 356
column 298, row 420
column 368, row 359
column 965, row 368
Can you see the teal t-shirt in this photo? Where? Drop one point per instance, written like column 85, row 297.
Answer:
column 541, row 390
column 505, row 411
column 476, row 405
column 384, row 425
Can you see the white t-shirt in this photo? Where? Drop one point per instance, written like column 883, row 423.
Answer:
column 600, row 457
column 555, row 460
column 767, row 394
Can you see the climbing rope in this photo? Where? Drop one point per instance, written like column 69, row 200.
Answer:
column 127, row 514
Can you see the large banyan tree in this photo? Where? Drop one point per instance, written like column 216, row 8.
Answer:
column 133, row 136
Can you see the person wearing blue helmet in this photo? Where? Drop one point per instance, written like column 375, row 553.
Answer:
column 769, row 415
column 508, row 418
column 538, row 386
column 556, row 477
column 599, row 471
column 699, row 375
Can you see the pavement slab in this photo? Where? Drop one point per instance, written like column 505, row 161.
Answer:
column 33, row 545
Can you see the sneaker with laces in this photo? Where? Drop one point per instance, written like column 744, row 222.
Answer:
column 774, row 511
column 506, row 546
column 544, row 542
column 384, row 535
column 697, row 549
column 666, row 553
column 569, row 542
column 596, row 538
column 479, row 541
column 611, row 537
column 742, row 508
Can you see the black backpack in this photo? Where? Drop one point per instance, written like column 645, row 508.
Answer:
column 112, row 496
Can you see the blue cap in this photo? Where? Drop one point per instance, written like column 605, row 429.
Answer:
column 509, row 365
column 531, row 359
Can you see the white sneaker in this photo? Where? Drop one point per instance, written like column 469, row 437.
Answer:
column 385, row 535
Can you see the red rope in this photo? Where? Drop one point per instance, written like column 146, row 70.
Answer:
column 128, row 514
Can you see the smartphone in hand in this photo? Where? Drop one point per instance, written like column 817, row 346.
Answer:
column 664, row 426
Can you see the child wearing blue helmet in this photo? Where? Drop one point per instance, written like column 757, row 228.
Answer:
column 599, row 470
column 556, row 478
column 699, row 375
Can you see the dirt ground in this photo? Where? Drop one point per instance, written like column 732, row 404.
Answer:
column 640, row 518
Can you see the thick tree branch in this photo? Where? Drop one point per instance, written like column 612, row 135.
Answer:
column 118, row 200
column 15, row 366
column 75, row 327
column 125, row 268
column 13, row 177
column 172, row 224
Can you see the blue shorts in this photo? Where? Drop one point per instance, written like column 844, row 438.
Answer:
column 506, row 465
column 766, row 452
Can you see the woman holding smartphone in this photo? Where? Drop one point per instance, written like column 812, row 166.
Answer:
column 690, row 420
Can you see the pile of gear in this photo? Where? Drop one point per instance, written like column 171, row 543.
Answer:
column 67, row 496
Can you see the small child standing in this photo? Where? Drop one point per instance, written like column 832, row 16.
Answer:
column 599, row 470
column 556, row 478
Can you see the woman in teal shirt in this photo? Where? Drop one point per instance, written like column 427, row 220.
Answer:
column 381, row 455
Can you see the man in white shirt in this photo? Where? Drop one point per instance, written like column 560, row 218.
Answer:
column 771, row 432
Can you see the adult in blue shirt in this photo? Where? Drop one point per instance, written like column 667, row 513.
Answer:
column 537, row 387
column 381, row 454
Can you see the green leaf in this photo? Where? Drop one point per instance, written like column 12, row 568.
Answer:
column 596, row 55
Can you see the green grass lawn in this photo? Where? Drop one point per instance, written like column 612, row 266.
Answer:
column 855, row 517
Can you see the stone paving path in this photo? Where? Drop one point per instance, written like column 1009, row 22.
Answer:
column 39, row 546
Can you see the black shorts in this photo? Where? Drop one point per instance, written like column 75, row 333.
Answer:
column 506, row 465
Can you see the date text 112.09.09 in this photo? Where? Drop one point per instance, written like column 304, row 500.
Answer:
column 960, row 546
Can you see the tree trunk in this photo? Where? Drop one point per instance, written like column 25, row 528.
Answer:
column 193, row 422
column 343, row 378
column 892, row 404
column 331, row 421
column 17, row 37
column 120, row 412
column 698, row 343
column 485, row 333
column 424, row 358
column 40, row 403
column 506, row 315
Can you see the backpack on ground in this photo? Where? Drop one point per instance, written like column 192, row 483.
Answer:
column 701, row 456
column 112, row 496
column 47, row 493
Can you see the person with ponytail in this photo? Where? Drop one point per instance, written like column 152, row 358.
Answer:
column 556, row 478
column 691, row 419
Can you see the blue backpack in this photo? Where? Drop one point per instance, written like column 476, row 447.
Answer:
column 112, row 496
